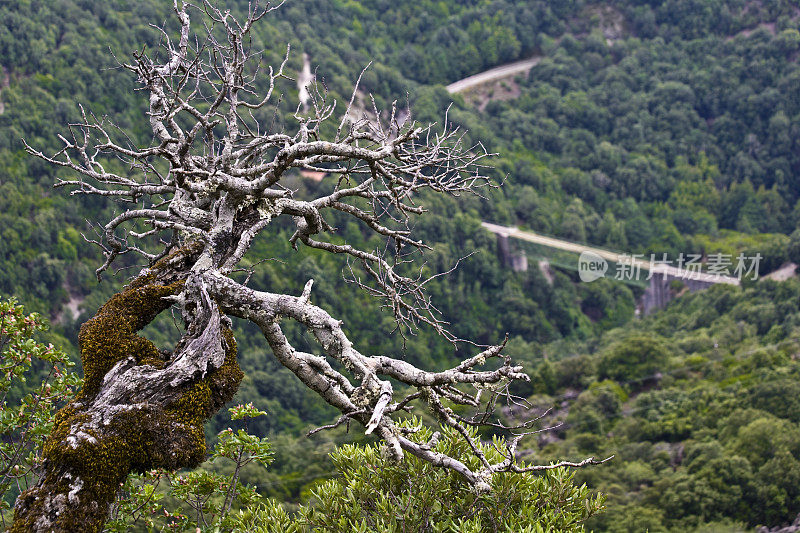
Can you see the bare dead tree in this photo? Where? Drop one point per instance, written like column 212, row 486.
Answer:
column 209, row 183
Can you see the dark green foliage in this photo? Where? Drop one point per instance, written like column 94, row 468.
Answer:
column 713, row 440
column 638, row 358
column 372, row 494
column 681, row 136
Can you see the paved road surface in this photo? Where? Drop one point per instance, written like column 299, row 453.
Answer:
column 614, row 257
column 497, row 73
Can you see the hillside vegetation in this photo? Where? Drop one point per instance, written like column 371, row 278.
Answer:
column 699, row 405
column 673, row 128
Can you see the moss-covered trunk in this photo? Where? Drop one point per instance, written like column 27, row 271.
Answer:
column 139, row 409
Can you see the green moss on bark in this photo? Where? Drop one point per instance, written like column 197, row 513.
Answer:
column 142, row 438
column 110, row 336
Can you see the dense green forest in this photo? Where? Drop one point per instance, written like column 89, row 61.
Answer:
column 648, row 126
column 699, row 404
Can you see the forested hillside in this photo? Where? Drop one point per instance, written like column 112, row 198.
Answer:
column 698, row 403
column 648, row 126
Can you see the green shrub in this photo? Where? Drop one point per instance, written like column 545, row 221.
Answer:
column 372, row 494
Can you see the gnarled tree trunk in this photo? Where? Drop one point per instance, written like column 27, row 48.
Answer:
column 139, row 409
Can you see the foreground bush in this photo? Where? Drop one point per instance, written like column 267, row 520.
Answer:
column 26, row 410
column 372, row 494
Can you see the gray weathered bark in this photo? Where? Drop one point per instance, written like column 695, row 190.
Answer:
column 210, row 194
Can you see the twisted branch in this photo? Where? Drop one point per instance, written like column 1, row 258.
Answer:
column 214, row 175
